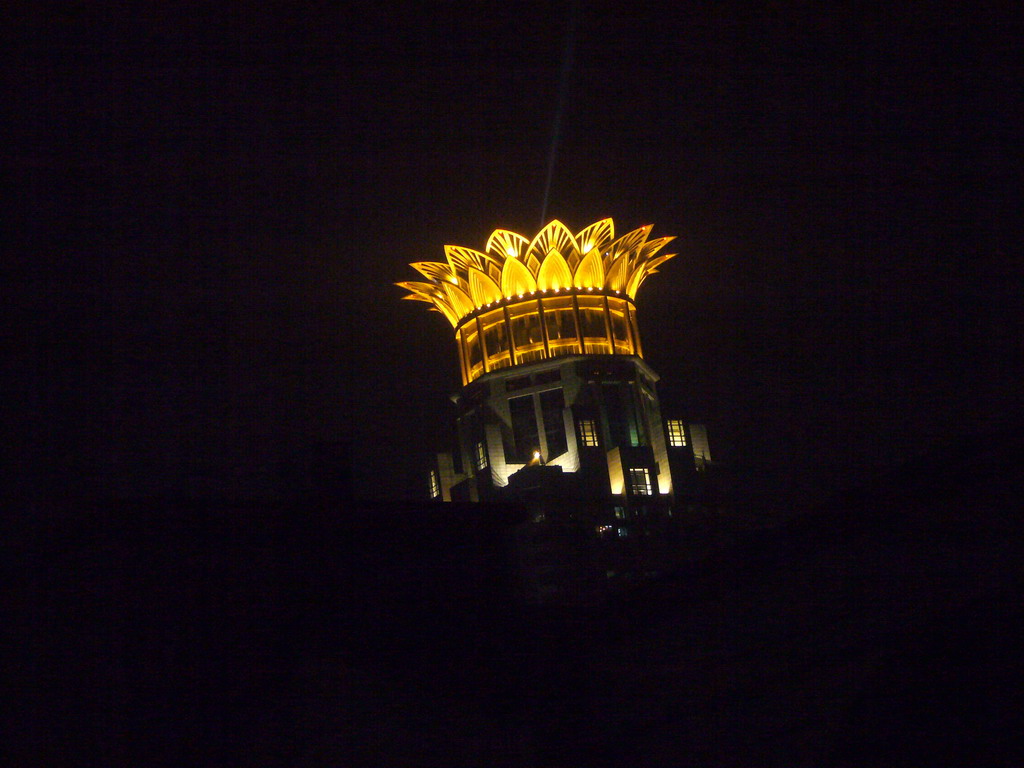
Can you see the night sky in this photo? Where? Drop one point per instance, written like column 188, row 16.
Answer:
column 208, row 207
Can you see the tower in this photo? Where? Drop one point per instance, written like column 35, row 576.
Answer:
column 557, row 401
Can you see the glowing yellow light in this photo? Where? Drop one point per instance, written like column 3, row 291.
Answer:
column 536, row 455
column 513, row 266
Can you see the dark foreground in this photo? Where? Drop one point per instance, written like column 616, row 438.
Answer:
column 881, row 631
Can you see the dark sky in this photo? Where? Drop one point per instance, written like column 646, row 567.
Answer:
column 210, row 206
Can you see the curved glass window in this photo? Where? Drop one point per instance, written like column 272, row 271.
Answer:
column 495, row 340
column 636, row 331
column 474, row 355
column 619, row 323
column 592, row 324
column 527, row 337
column 560, row 325
column 535, row 329
column 462, row 356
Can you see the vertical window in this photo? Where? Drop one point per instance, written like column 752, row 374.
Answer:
column 462, row 357
column 624, row 413
column 588, row 433
column 619, row 325
column 592, row 323
column 551, row 406
column 435, row 485
column 524, row 428
column 618, row 425
column 480, row 456
column 474, row 356
column 637, row 349
column 527, row 336
column 495, row 340
column 640, row 481
column 676, row 434
column 638, row 420
column 560, row 325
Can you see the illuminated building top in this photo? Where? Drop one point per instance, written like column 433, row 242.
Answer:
column 557, row 400
column 511, row 267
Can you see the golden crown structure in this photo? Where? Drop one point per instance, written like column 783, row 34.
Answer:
column 520, row 301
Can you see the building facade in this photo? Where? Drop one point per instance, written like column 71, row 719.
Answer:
column 558, row 407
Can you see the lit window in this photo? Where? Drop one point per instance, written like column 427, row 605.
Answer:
column 640, row 482
column 588, row 433
column 435, row 485
column 480, row 457
column 618, row 323
column 495, row 339
column 527, row 335
column 474, row 355
column 560, row 323
column 592, row 325
column 676, row 435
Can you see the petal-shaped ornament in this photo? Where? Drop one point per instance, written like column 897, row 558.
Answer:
column 533, row 263
column 449, row 313
column 554, row 236
column 516, row 279
column 572, row 258
column 482, row 289
column 651, row 247
column 590, row 272
column 427, row 291
column 653, row 264
column 630, row 243
column 554, row 273
column 503, row 244
column 638, row 276
column 417, row 297
column 460, row 301
column 462, row 259
column 597, row 235
column 618, row 273
column 642, row 272
column 432, row 294
column 433, row 270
